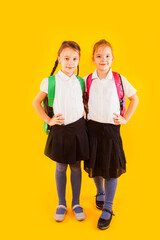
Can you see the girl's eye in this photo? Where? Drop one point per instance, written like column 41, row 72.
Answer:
column 74, row 59
column 66, row 58
column 98, row 56
column 107, row 56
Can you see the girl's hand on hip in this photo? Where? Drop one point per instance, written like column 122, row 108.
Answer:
column 118, row 119
column 56, row 120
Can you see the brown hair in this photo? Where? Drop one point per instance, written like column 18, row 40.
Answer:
column 67, row 44
column 99, row 43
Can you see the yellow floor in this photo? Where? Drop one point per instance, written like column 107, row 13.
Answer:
column 32, row 198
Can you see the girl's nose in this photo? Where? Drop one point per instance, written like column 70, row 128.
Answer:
column 70, row 61
column 103, row 58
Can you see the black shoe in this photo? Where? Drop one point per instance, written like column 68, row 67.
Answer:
column 104, row 224
column 99, row 204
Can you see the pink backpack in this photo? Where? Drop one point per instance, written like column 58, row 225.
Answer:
column 120, row 90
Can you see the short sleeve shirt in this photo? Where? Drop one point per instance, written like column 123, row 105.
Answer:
column 103, row 97
column 68, row 96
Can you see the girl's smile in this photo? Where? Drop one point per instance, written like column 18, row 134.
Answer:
column 70, row 67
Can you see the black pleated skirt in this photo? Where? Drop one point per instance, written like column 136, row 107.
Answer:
column 68, row 143
column 107, row 157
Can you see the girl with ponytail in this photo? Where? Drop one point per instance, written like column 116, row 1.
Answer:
column 106, row 92
column 67, row 142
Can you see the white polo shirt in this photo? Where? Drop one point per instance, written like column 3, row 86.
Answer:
column 68, row 96
column 103, row 97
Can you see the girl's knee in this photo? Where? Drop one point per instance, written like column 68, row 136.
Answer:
column 61, row 167
column 76, row 166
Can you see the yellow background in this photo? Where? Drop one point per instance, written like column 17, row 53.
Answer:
column 31, row 34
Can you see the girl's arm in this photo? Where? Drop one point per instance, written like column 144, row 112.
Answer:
column 56, row 119
column 134, row 100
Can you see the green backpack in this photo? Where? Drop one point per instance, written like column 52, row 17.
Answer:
column 51, row 95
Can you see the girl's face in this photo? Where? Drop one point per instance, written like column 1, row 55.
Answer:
column 69, row 60
column 103, row 58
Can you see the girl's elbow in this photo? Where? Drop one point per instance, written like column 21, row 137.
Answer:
column 34, row 103
column 135, row 98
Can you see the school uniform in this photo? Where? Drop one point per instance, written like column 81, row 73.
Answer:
column 67, row 143
column 107, row 158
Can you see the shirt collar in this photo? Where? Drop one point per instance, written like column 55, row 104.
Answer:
column 64, row 76
column 109, row 75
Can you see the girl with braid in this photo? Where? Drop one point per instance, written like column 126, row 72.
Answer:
column 67, row 142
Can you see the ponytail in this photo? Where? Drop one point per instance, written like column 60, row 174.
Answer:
column 78, row 70
column 54, row 68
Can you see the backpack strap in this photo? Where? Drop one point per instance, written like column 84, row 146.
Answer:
column 81, row 83
column 119, row 87
column 120, row 92
column 51, row 95
column 51, row 90
column 88, row 83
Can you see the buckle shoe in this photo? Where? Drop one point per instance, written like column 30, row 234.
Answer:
column 103, row 223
